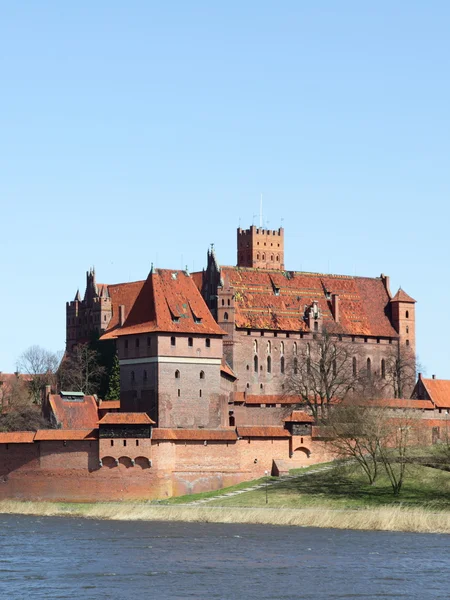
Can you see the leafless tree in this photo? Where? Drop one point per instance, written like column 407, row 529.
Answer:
column 82, row 371
column 41, row 366
column 14, row 393
column 323, row 372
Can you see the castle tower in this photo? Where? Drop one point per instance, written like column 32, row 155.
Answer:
column 260, row 248
column 404, row 318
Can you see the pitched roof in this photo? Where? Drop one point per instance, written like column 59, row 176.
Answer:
column 168, row 301
column 228, row 435
column 399, row 403
column 17, row 437
column 267, row 432
column 276, row 300
column 126, row 418
column 65, row 434
column 226, row 369
column 274, row 399
column 121, row 294
column 74, row 414
column 299, row 416
column 402, row 296
column 438, row 390
column 109, row 404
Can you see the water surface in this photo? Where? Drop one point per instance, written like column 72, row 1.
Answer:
column 54, row 557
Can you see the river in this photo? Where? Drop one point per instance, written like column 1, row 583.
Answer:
column 53, row 557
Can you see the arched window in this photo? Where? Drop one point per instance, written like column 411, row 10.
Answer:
column 177, row 374
column 255, row 346
column 257, row 256
column 190, row 342
column 271, row 257
column 355, row 366
column 264, row 257
column 229, row 302
column 407, row 329
column 308, row 349
column 282, row 348
column 369, row 367
column 383, row 369
column 269, row 364
column 407, row 342
column 316, row 326
column 225, row 316
column 295, row 366
column 208, row 343
column 269, row 347
column 202, row 374
column 407, row 314
column 255, row 363
column 282, row 364
column 173, row 341
column 278, row 258
column 200, row 393
column 223, row 302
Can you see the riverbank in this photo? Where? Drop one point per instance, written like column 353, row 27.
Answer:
column 388, row 518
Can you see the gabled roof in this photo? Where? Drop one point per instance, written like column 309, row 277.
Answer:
column 168, row 301
column 402, row 296
column 226, row 369
column 276, row 300
column 195, row 434
column 438, row 390
column 17, row 437
column 121, row 294
column 74, row 414
column 299, row 416
column 126, row 418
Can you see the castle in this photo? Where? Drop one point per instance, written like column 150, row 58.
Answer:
column 204, row 361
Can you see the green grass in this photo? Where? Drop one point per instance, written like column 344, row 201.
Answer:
column 346, row 487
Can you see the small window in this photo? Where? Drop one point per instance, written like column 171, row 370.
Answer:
column 149, row 341
column 179, row 392
column 132, row 376
column 282, row 364
column 145, row 375
column 126, row 344
column 208, row 343
column 202, row 374
column 173, row 341
column 383, row 369
column 407, row 329
column 248, row 385
column 269, row 364
column 223, row 302
column 112, row 442
column 229, row 302
column 124, row 442
column 261, row 386
column 355, row 366
column 200, row 393
column 177, row 374
column 190, row 342
column 225, row 316
column 369, row 367
column 365, row 340
column 316, row 326
column 296, row 366
column 407, row 342
column 137, row 442
column 137, row 342
column 407, row 314
column 255, row 364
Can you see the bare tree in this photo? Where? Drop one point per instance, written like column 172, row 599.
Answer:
column 14, row 392
column 400, row 370
column 323, row 372
column 82, row 370
column 41, row 366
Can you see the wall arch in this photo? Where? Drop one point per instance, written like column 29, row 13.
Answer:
column 108, row 462
column 142, row 462
column 125, row 461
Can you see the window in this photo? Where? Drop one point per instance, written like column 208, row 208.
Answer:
column 112, row 442
column 269, row 347
column 355, row 366
column 308, row 349
column 173, row 341
column 229, row 302
column 407, row 342
column 202, row 374
column 269, row 364
column 124, row 442
column 248, row 367
column 261, row 386
column 190, row 342
column 255, row 364
column 149, row 341
column 264, row 257
column 132, row 376
column 316, row 326
column 137, row 442
column 145, row 375
column 200, row 393
column 137, row 342
column 282, row 364
column 278, row 258
column 179, row 392
column 177, row 374
column 296, row 366
column 223, row 302
column 225, row 316
column 208, row 343
column 383, row 369
column 282, row 348
column 369, row 367
column 126, row 344
column 257, row 256
column 407, row 314
column 255, row 346
column 407, row 329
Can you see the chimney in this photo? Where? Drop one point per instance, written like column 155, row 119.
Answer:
column 433, row 377
column 335, row 306
column 121, row 314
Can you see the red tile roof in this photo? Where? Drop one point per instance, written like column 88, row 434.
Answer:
column 126, row 418
column 256, row 399
column 363, row 301
column 65, row 434
column 109, row 404
column 169, row 301
column 438, row 390
column 226, row 369
column 299, row 416
column 266, row 432
column 73, row 414
column 402, row 296
column 399, row 403
column 121, row 294
column 194, row 434
column 17, row 437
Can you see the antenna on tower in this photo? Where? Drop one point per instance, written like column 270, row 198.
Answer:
column 260, row 213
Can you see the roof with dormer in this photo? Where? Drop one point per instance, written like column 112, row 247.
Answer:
column 277, row 300
column 168, row 301
column 437, row 390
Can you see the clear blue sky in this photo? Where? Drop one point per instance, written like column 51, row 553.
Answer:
column 140, row 132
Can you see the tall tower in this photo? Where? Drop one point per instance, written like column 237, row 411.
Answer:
column 404, row 318
column 259, row 248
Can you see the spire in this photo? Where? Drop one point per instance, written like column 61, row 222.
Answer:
column 77, row 296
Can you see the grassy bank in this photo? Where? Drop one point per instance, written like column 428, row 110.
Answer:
column 382, row 519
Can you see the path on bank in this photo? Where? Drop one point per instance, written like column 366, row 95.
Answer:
column 260, row 486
